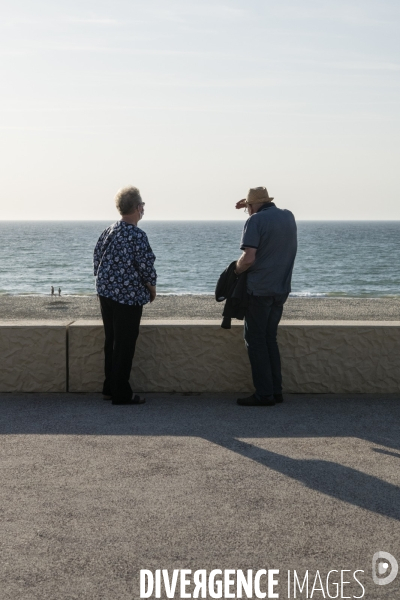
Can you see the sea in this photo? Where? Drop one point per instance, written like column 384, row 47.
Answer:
column 357, row 259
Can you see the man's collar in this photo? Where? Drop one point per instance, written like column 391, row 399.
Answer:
column 266, row 206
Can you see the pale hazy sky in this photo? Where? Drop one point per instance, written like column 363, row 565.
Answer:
column 196, row 101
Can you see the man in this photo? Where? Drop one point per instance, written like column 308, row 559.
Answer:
column 125, row 281
column 269, row 244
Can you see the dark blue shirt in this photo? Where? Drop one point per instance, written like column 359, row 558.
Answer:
column 123, row 263
column 273, row 232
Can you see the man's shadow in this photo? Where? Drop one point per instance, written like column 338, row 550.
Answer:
column 330, row 478
column 221, row 422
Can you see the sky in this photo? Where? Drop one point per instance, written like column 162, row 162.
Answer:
column 194, row 102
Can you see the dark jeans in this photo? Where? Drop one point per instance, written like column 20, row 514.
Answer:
column 263, row 314
column 121, row 328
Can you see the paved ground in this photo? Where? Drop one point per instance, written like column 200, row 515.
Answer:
column 91, row 493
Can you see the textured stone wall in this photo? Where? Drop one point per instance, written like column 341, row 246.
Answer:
column 85, row 351
column 170, row 356
column 330, row 357
column 340, row 357
column 197, row 356
column 33, row 356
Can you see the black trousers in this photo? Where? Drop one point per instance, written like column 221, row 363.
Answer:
column 263, row 314
column 121, row 327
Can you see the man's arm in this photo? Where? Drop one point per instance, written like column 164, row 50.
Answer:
column 246, row 260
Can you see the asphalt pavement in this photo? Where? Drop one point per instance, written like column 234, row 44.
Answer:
column 93, row 493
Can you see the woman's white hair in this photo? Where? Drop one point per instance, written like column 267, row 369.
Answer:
column 127, row 200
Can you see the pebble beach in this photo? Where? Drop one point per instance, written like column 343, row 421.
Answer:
column 17, row 308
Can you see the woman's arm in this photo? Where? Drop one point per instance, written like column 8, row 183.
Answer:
column 97, row 253
column 144, row 263
column 152, row 290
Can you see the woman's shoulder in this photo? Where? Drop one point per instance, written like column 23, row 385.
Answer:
column 111, row 228
column 130, row 232
column 140, row 234
column 106, row 232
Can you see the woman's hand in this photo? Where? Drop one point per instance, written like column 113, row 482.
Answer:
column 153, row 291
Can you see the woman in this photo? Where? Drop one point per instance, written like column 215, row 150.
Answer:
column 125, row 281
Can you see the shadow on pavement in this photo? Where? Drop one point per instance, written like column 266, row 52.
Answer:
column 344, row 483
column 220, row 421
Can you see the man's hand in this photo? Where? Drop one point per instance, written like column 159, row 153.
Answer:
column 152, row 290
column 241, row 204
column 246, row 260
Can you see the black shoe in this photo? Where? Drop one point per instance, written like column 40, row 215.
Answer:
column 254, row 400
column 278, row 398
column 135, row 400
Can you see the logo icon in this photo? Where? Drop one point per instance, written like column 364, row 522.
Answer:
column 384, row 568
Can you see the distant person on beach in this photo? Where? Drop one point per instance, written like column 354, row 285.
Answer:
column 59, row 291
column 52, row 290
column 269, row 244
column 125, row 281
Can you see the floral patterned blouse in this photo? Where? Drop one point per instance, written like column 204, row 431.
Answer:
column 123, row 263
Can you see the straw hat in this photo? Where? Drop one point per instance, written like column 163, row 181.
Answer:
column 258, row 194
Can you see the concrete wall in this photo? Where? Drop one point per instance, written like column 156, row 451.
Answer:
column 199, row 356
column 33, row 356
column 183, row 356
column 340, row 356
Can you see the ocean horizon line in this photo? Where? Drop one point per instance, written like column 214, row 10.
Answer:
column 148, row 220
